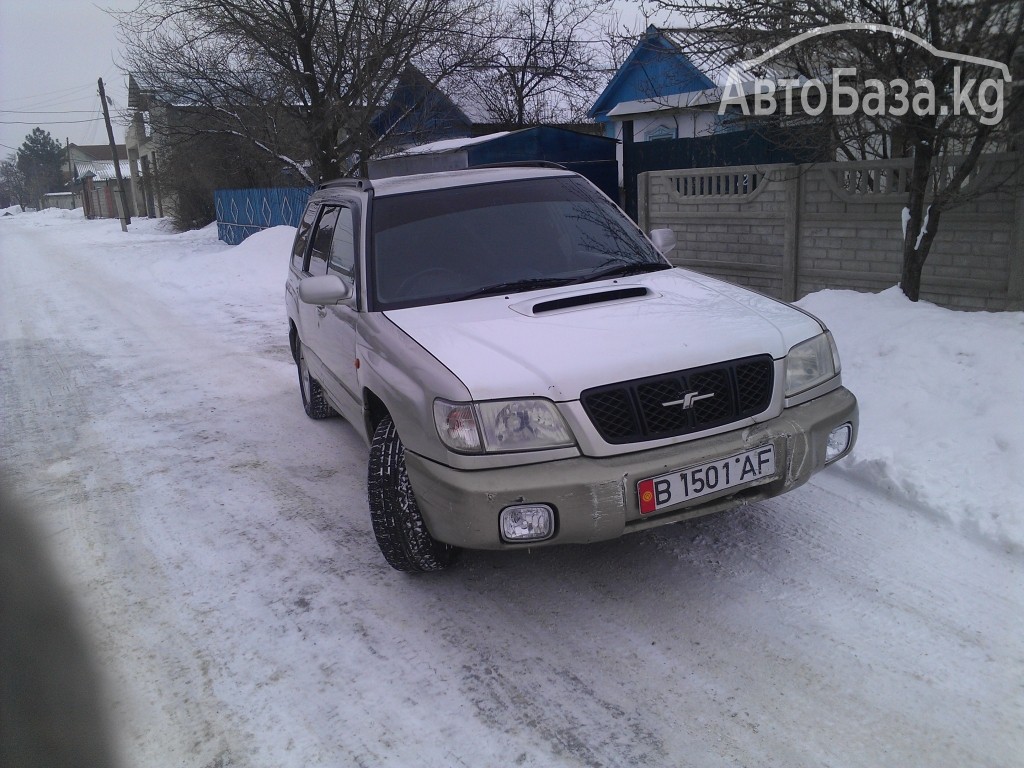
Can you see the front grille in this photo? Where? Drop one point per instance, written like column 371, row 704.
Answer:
column 634, row 411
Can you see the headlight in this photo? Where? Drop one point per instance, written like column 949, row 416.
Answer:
column 810, row 363
column 501, row 425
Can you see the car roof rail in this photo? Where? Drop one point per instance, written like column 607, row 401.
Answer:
column 522, row 164
column 346, row 182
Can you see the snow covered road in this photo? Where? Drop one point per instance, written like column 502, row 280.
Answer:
column 219, row 544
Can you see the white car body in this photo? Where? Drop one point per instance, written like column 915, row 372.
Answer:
column 566, row 369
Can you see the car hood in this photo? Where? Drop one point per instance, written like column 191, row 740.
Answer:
column 555, row 343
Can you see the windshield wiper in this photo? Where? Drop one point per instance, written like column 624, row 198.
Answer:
column 622, row 270
column 536, row 283
column 515, row 286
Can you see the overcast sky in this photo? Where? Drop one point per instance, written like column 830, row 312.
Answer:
column 52, row 52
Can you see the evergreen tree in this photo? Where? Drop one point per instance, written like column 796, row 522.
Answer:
column 39, row 160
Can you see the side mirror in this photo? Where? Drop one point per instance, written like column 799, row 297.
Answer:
column 664, row 240
column 324, row 289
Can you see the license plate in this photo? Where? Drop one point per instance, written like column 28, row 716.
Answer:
column 693, row 482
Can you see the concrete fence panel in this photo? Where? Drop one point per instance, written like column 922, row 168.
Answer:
column 788, row 230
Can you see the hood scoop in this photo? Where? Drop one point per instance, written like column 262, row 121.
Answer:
column 580, row 299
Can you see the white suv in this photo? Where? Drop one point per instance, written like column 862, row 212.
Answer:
column 527, row 367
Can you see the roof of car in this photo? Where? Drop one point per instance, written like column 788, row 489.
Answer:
column 398, row 185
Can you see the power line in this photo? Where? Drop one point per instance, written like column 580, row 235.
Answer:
column 90, row 87
column 47, row 122
column 45, row 112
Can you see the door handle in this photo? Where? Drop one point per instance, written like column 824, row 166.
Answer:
column 321, row 310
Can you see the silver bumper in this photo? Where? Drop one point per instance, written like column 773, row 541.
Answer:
column 596, row 498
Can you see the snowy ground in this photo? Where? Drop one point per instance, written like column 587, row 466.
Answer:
column 219, row 545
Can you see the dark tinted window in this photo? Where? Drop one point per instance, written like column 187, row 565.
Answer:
column 302, row 236
column 450, row 244
column 343, row 247
column 320, row 254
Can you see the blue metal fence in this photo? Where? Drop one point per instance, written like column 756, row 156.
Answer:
column 243, row 212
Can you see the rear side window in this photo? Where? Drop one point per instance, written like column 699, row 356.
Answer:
column 343, row 247
column 302, row 236
column 320, row 253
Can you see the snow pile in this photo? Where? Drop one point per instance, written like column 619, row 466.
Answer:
column 941, row 398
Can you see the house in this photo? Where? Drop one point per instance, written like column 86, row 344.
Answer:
column 419, row 113
column 672, row 84
column 142, row 146
column 659, row 90
column 184, row 145
column 93, row 179
column 90, row 153
column 665, row 106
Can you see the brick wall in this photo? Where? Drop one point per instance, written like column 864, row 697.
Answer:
column 789, row 230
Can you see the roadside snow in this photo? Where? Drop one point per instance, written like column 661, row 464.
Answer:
column 941, row 403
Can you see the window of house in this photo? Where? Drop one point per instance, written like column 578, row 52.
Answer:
column 660, row 132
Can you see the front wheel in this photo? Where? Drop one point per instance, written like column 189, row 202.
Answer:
column 401, row 534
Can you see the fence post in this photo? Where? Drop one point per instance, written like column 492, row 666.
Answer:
column 642, row 205
column 791, row 242
column 1015, row 281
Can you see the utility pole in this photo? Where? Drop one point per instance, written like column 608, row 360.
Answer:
column 125, row 218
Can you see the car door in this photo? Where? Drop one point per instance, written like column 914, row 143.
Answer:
column 332, row 329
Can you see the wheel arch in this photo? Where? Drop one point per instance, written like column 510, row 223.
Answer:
column 293, row 339
column 374, row 411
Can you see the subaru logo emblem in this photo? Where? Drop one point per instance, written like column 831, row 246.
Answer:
column 688, row 400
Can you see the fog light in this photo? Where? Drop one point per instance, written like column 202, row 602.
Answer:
column 527, row 522
column 838, row 442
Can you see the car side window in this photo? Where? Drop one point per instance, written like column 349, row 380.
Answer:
column 302, row 236
column 343, row 247
column 320, row 253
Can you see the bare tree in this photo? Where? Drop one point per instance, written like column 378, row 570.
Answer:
column 298, row 79
column 544, row 61
column 956, row 110
column 12, row 183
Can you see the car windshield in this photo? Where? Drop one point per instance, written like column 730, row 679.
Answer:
column 465, row 242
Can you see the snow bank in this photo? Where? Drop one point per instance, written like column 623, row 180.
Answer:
column 941, row 403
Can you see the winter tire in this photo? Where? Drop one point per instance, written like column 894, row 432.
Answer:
column 401, row 533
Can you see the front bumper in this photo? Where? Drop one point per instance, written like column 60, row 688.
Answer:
column 596, row 499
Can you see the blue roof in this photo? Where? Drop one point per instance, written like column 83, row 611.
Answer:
column 655, row 67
